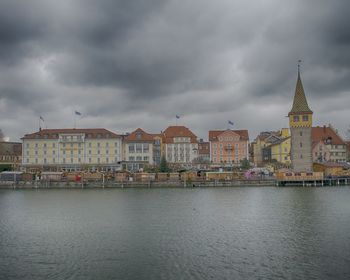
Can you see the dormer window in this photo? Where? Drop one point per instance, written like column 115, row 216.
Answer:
column 138, row 135
column 305, row 118
column 295, row 118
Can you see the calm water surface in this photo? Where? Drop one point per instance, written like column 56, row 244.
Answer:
column 223, row 233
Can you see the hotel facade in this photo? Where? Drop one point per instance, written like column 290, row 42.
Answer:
column 72, row 149
column 228, row 146
column 180, row 145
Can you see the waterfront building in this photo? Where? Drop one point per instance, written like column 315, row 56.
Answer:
column 138, row 150
column 228, row 146
column 348, row 151
column 328, row 145
column 271, row 146
column 157, row 148
column 10, row 155
column 278, row 151
column 180, row 145
column 300, row 123
column 203, row 151
column 320, row 151
column 72, row 149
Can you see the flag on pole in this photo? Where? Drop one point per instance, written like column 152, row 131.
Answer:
column 77, row 113
column 42, row 118
column 230, row 122
column 177, row 116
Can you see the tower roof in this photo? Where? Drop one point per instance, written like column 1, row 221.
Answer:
column 300, row 103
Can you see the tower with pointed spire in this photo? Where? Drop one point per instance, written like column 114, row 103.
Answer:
column 300, row 123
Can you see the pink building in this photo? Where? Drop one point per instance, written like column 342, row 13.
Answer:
column 228, row 146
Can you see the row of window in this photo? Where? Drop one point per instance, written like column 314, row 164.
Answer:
column 138, row 148
column 297, row 118
column 138, row 158
column 215, row 145
column 45, row 145
column 71, row 160
column 72, row 152
column 228, row 138
column 224, row 161
column 221, row 152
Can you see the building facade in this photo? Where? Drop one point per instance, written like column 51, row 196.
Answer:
column 10, row 155
column 138, row 150
column 228, row 146
column 300, row 123
column 72, row 149
column 180, row 145
column 328, row 145
column 203, row 151
column 320, row 152
column 272, row 146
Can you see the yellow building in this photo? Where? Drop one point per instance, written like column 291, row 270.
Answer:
column 272, row 146
column 280, row 151
column 72, row 149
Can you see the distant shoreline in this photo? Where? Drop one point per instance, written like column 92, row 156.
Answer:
column 118, row 185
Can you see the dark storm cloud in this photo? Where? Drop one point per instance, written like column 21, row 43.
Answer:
column 138, row 63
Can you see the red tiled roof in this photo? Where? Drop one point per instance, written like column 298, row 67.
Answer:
column 323, row 133
column 213, row 134
column 139, row 135
column 89, row 133
column 178, row 131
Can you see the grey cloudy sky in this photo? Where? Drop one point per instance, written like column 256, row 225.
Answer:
column 128, row 64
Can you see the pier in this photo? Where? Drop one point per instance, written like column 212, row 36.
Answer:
column 325, row 182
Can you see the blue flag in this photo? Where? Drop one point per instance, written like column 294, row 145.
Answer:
column 77, row 113
column 42, row 118
column 177, row 116
column 230, row 122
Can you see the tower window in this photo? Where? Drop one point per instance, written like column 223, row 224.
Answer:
column 305, row 118
column 295, row 118
column 301, row 133
column 301, row 144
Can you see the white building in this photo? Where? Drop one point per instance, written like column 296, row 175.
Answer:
column 181, row 145
column 72, row 149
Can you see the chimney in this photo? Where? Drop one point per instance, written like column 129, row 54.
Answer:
column 324, row 129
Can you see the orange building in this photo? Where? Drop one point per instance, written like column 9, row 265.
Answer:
column 228, row 146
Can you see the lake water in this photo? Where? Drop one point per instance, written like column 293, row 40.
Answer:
column 212, row 233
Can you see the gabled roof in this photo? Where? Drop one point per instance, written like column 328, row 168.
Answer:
column 139, row 135
column 326, row 133
column 267, row 134
column 299, row 103
column 214, row 134
column 178, row 131
column 54, row 133
column 279, row 141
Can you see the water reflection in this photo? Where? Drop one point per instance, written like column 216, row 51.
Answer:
column 223, row 233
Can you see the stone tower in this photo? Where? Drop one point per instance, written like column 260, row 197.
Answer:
column 300, row 123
